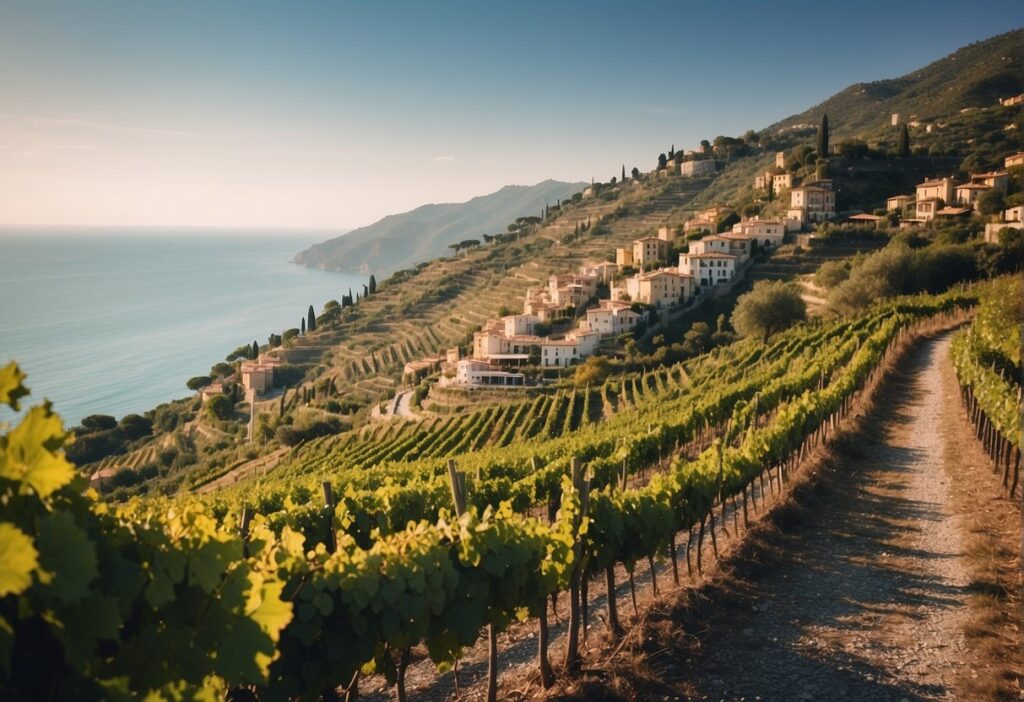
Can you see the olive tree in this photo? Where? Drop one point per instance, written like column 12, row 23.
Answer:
column 767, row 309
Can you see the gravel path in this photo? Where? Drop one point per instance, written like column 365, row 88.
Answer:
column 868, row 601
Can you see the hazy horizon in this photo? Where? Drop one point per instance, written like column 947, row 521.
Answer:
column 330, row 117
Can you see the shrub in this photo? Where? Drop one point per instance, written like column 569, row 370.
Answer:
column 219, row 407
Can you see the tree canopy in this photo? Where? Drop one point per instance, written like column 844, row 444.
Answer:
column 199, row 381
column 823, row 137
column 767, row 309
column 903, row 149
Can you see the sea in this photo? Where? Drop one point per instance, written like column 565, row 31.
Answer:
column 116, row 321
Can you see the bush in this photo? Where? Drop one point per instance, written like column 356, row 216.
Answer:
column 98, row 422
column 135, row 426
column 593, row 371
column 832, row 273
column 219, row 407
column 900, row 270
column 293, row 435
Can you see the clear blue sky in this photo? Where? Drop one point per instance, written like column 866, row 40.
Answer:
column 334, row 114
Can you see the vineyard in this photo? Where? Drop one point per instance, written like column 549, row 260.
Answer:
column 432, row 533
column 987, row 359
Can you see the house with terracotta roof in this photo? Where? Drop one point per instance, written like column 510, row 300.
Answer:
column 649, row 249
column 562, row 353
column 766, row 232
column 661, row 288
column 495, row 341
column 611, row 317
column 739, row 245
column 968, row 193
column 812, row 203
column 1016, row 159
column 603, row 271
column 710, row 244
column 941, row 188
column 897, row 203
column 211, row 390
column 925, row 208
column 1000, row 180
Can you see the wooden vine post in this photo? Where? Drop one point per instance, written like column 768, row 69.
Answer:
column 457, row 480
column 572, row 651
column 332, row 538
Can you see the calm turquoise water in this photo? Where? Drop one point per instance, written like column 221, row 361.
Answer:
column 114, row 323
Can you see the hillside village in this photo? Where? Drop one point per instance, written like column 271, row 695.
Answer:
column 610, row 298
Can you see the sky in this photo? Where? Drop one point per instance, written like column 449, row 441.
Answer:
column 334, row 114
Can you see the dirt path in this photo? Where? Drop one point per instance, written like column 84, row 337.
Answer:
column 869, row 598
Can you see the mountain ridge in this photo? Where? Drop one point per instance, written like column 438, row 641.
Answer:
column 424, row 233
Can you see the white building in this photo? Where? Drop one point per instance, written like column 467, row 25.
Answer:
column 603, row 271
column 710, row 244
column 708, row 269
column 474, row 373
column 739, row 246
column 520, row 324
column 495, row 343
column 766, row 232
column 562, row 353
column 697, row 168
column 611, row 317
column 1012, row 218
column 812, row 203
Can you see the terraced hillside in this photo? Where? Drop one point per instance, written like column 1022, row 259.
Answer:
column 450, row 298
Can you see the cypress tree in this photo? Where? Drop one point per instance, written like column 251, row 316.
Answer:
column 373, row 284
column 254, row 353
column 366, row 291
column 302, row 326
column 823, row 137
column 904, row 145
column 311, row 319
column 623, row 173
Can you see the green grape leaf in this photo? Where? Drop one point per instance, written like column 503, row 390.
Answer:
column 95, row 618
column 269, row 610
column 67, row 552
column 18, row 558
column 11, row 389
column 31, row 455
column 207, row 564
